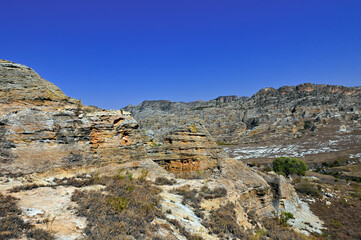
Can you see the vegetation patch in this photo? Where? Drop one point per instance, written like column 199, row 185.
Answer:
column 126, row 209
column 193, row 128
column 223, row 222
column 276, row 229
column 11, row 224
column 289, row 165
column 78, row 181
column 308, row 188
column 27, row 187
column 341, row 217
column 164, row 181
column 191, row 198
column 183, row 231
column 218, row 192
column 285, row 216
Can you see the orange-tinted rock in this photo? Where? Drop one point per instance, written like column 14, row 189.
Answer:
column 39, row 132
column 187, row 148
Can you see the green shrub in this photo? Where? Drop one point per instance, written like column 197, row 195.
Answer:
column 289, row 165
column 285, row 216
column 308, row 189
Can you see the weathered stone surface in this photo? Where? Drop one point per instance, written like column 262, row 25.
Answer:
column 21, row 82
column 187, row 148
column 271, row 114
column 40, row 131
column 45, row 136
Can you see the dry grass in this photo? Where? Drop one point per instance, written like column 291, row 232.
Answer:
column 191, row 198
column 223, row 222
column 342, row 218
column 274, row 229
column 215, row 193
column 308, row 188
column 127, row 209
column 164, row 181
column 183, row 231
column 11, row 224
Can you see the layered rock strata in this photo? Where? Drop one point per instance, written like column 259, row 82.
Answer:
column 41, row 128
column 186, row 148
column 45, row 135
column 270, row 115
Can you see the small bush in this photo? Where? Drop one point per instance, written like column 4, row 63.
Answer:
column 307, row 124
column 215, row 193
column 76, row 181
column 183, row 231
column 289, row 165
column 309, row 189
column 193, row 128
column 27, row 187
column 223, row 221
column 285, row 216
column 164, row 181
column 40, row 234
column 276, row 230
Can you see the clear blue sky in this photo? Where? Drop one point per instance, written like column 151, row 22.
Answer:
column 114, row 53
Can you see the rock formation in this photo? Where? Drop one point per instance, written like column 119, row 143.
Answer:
column 46, row 136
column 270, row 114
column 187, row 148
column 41, row 128
column 318, row 123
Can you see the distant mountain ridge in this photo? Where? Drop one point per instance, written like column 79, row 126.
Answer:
column 268, row 114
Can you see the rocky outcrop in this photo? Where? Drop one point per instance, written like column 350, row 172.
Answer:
column 271, row 114
column 22, row 83
column 186, row 148
column 46, row 136
column 42, row 129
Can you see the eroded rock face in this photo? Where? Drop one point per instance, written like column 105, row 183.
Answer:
column 270, row 115
column 44, row 137
column 22, row 83
column 41, row 128
column 187, row 148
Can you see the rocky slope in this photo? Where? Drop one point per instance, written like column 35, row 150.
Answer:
column 300, row 121
column 52, row 147
column 268, row 115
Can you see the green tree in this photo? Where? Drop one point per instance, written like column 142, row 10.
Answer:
column 289, row 165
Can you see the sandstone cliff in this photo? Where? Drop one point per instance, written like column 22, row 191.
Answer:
column 51, row 147
column 41, row 128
